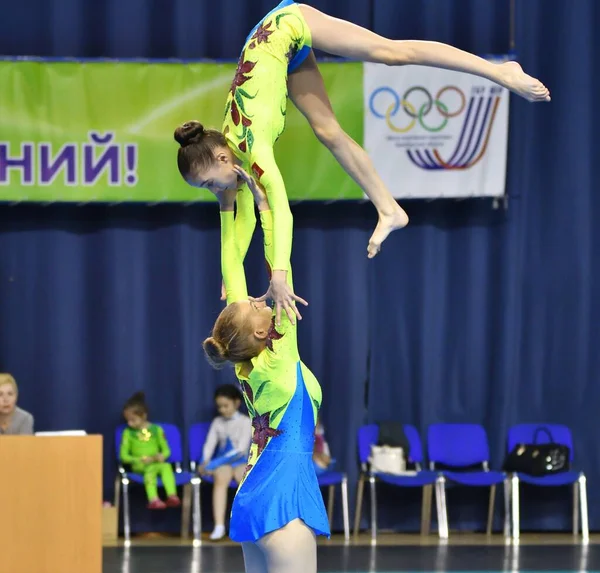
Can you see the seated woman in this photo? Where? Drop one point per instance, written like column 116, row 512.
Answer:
column 13, row 420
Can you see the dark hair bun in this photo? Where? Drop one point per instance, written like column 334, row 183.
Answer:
column 230, row 391
column 137, row 402
column 189, row 132
column 215, row 353
column 139, row 397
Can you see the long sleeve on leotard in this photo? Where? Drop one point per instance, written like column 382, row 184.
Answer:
column 267, row 173
column 266, row 221
column 232, row 266
column 283, row 352
column 245, row 220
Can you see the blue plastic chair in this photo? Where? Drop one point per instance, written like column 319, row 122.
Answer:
column 462, row 447
column 526, row 434
column 367, row 437
column 330, row 479
column 187, row 480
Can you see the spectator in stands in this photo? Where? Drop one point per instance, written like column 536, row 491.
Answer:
column 321, row 454
column 13, row 420
column 145, row 448
column 230, row 433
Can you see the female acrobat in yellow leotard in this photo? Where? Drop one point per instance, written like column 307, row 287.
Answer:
column 277, row 62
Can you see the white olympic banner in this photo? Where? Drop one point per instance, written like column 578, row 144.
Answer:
column 435, row 133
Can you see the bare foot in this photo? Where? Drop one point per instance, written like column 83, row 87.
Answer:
column 517, row 81
column 386, row 224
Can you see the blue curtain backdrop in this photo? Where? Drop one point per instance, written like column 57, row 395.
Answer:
column 470, row 314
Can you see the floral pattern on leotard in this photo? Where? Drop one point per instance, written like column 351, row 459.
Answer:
column 262, row 431
column 236, row 105
column 248, row 398
column 291, row 54
column 295, row 44
column 273, row 335
column 257, row 170
column 261, row 35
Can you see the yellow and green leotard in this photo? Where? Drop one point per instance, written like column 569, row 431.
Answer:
column 148, row 442
column 256, row 108
column 283, row 398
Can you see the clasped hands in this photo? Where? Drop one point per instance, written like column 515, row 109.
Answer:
column 159, row 458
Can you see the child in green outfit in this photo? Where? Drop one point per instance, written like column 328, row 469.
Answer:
column 145, row 448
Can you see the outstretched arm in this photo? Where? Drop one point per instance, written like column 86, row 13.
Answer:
column 245, row 223
column 280, row 288
column 268, row 175
column 232, row 266
column 245, row 220
column 266, row 222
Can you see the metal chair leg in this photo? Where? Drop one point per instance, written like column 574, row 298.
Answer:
column 426, row 510
column 516, row 517
column 345, row 508
column 442, row 512
column 359, row 503
column 585, row 526
column 186, row 510
column 197, row 517
column 117, row 500
column 576, row 508
column 373, row 510
column 492, row 502
column 126, row 520
column 507, row 507
column 330, row 502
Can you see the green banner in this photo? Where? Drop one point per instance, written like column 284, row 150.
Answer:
column 103, row 131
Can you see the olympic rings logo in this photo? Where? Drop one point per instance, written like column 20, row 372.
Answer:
column 410, row 109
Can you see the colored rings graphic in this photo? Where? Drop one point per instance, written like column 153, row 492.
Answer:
column 412, row 112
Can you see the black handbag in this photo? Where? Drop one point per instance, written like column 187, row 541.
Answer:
column 538, row 459
column 392, row 434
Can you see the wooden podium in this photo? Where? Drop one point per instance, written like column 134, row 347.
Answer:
column 51, row 511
